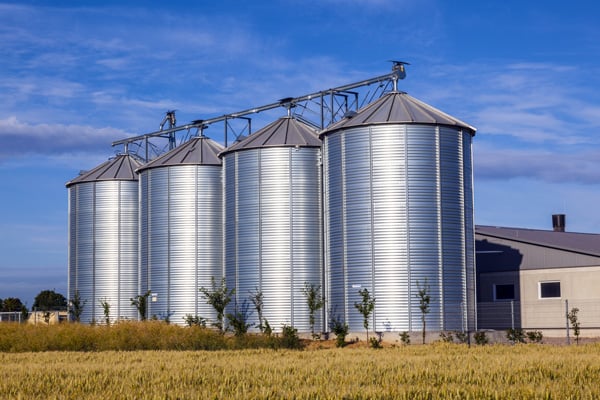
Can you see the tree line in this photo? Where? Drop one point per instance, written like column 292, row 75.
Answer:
column 46, row 300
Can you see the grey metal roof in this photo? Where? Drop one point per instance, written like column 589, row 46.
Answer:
column 284, row 132
column 584, row 243
column 197, row 151
column 399, row 108
column 119, row 168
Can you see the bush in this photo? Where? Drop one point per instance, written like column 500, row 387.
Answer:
column 375, row 343
column 535, row 336
column 340, row 329
column 462, row 337
column 405, row 338
column 515, row 335
column 480, row 338
column 194, row 320
column 289, row 338
column 447, row 337
column 238, row 320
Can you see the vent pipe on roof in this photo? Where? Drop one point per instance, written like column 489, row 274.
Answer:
column 558, row 222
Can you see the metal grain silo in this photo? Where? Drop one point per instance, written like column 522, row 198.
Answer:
column 399, row 212
column 181, row 234
column 273, row 222
column 103, row 238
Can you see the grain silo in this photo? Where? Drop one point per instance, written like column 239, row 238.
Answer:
column 273, row 239
column 398, row 211
column 181, row 234
column 103, row 239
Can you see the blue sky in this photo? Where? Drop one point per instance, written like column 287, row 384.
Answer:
column 75, row 76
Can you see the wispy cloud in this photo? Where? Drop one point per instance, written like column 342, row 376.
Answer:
column 548, row 166
column 534, row 120
column 105, row 82
column 528, row 102
column 23, row 138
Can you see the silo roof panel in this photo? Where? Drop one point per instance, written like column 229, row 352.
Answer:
column 286, row 131
column 197, row 151
column 399, row 107
column 120, row 168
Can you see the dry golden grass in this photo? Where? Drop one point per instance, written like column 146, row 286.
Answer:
column 412, row 372
column 127, row 336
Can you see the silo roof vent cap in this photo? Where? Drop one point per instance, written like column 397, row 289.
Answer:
column 349, row 114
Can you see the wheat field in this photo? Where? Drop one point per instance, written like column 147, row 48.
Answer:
column 412, row 372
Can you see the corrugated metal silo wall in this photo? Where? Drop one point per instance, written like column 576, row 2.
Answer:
column 395, row 218
column 471, row 320
column 181, row 238
column 273, row 240
column 103, row 247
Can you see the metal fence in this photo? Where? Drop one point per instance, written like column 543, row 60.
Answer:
column 12, row 316
column 547, row 314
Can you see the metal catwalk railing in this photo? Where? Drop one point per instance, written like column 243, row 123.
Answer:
column 319, row 109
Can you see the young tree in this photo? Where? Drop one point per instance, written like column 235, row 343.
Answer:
column 315, row 302
column 218, row 298
column 365, row 307
column 239, row 319
column 106, row 308
column 424, row 300
column 574, row 320
column 76, row 308
column 141, row 303
column 257, row 300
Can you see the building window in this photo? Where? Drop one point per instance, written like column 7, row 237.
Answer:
column 549, row 290
column 504, row 292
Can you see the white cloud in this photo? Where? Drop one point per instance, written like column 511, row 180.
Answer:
column 544, row 104
column 23, row 138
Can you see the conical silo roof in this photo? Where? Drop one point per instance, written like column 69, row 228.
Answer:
column 120, row 168
column 399, row 108
column 197, row 151
column 284, row 132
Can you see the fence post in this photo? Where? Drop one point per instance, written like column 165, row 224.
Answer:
column 512, row 314
column 567, row 320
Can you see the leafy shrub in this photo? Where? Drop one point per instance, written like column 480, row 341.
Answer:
column 289, row 338
column 515, row 335
column 194, row 320
column 462, row 337
column 267, row 328
column 340, row 329
column 238, row 322
column 375, row 343
column 405, row 338
column 480, row 338
column 447, row 337
column 534, row 336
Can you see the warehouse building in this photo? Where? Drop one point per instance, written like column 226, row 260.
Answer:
column 530, row 278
